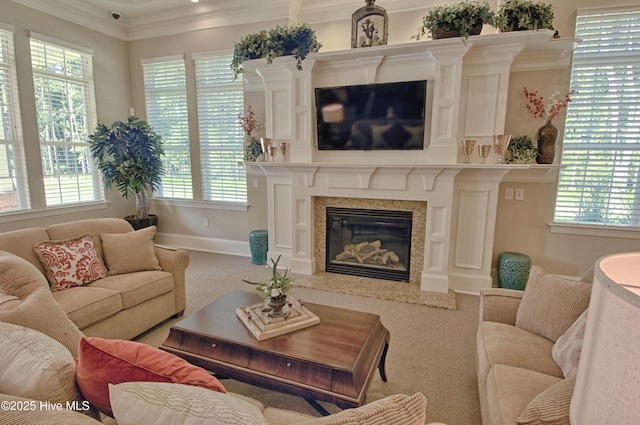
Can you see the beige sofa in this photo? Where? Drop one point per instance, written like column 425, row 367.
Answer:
column 116, row 307
column 519, row 380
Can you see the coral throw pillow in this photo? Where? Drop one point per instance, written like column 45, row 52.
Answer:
column 72, row 262
column 102, row 362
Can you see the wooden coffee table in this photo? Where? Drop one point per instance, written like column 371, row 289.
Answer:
column 332, row 361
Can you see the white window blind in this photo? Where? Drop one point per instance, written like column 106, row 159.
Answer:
column 600, row 183
column 165, row 89
column 66, row 113
column 13, row 179
column 220, row 100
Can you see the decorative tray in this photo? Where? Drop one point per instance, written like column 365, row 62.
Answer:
column 256, row 318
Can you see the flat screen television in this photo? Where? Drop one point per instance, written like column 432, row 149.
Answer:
column 387, row 116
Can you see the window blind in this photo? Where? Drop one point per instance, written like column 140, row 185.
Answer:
column 66, row 114
column 13, row 178
column 600, row 183
column 166, row 98
column 220, row 100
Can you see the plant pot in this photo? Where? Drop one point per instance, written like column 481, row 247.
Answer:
column 547, row 138
column 276, row 305
column 440, row 33
column 141, row 223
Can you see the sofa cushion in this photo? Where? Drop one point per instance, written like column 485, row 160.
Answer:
column 550, row 406
column 101, row 362
column 34, row 415
column 140, row 403
column 97, row 226
column 499, row 343
column 86, row 306
column 550, row 304
column 130, row 252
column 7, row 302
column 40, row 311
column 138, row 287
column 397, row 409
column 568, row 348
column 71, row 262
column 34, row 365
column 511, row 389
column 18, row 277
column 21, row 243
column 277, row 416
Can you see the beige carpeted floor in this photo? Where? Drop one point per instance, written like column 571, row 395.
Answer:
column 432, row 349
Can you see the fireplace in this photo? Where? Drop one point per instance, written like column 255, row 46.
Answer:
column 369, row 243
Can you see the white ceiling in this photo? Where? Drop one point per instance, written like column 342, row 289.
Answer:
column 141, row 19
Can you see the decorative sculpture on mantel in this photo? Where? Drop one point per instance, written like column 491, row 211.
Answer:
column 369, row 26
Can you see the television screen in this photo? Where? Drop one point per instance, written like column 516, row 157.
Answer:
column 373, row 116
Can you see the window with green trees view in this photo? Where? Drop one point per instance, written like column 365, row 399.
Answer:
column 66, row 112
column 600, row 181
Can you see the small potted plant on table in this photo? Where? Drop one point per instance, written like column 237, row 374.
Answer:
column 459, row 20
column 275, row 289
column 129, row 156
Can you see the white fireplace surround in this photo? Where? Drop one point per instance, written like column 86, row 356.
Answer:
column 467, row 87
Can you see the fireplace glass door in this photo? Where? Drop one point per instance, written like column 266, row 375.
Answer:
column 369, row 243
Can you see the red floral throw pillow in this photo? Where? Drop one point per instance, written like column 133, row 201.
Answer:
column 102, row 362
column 72, row 262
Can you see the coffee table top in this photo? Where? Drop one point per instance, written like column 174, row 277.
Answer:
column 337, row 341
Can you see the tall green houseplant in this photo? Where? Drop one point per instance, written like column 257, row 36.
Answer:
column 129, row 156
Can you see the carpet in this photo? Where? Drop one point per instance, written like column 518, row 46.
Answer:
column 432, row 350
column 377, row 288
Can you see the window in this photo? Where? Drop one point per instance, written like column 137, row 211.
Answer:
column 165, row 90
column 220, row 100
column 66, row 114
column 600, row 184
column 13, row 179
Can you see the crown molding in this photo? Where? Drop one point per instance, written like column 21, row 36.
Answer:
column 206, row 15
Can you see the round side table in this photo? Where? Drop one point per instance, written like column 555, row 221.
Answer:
column 259, row 244
column 513, row 270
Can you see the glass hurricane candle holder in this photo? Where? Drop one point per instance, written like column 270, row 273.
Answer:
column 484, row 151
column 467, row 149
column 284, row 149
column 272, row 153
column 500, row 145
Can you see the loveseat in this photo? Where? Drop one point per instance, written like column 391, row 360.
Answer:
column 528, row 349
column 141, row 286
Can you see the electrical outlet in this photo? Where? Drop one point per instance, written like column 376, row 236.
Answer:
column 519, row 194
column 256, row 182
column 508, row 194
column 205, row 222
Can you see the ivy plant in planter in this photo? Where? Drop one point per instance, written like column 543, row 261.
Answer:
column 521, row 151
column 459, row 20
column 128, row 154
column 251, row 46
column 294, row 40
column 522, row 15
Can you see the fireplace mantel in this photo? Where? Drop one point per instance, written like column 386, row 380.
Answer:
column 467, row 97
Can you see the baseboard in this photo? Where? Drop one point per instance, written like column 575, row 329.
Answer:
column 198, row 243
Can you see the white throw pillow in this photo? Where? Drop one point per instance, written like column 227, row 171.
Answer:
column 36, row 366
column 147, row 403
column 567, row 349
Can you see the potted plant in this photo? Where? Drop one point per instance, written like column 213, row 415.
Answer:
column 521, row 15
column 459, row 20
column 296, row 40
column 521, row 151
column 275, row 289
column 251, row 46
column 128, row 154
